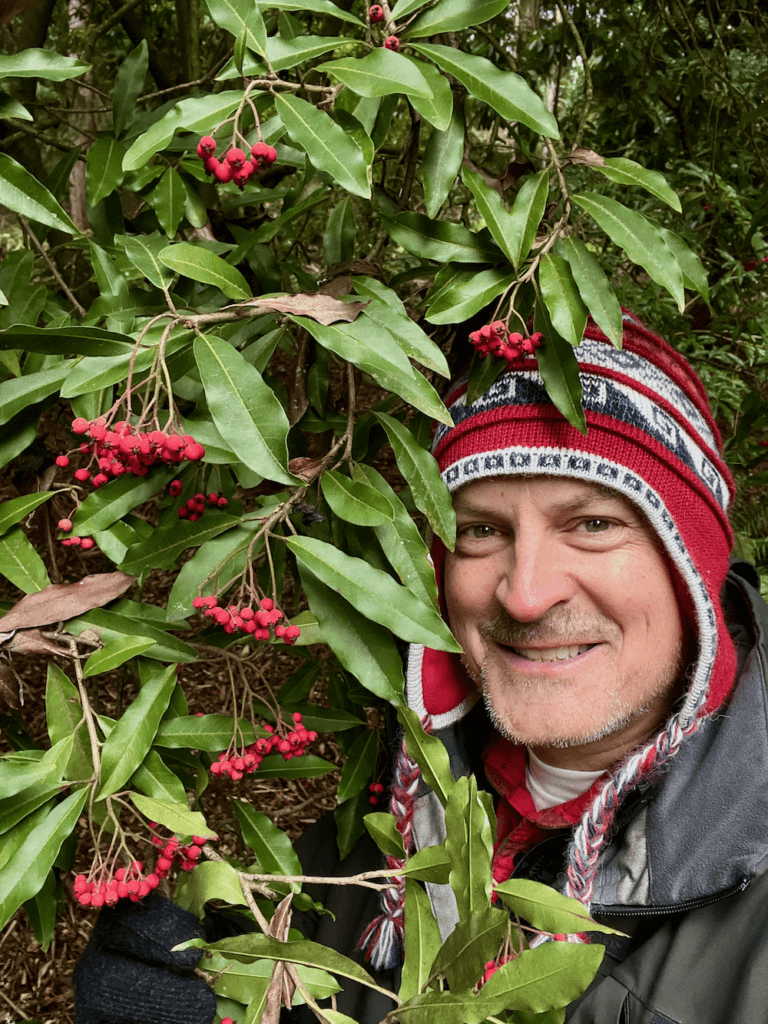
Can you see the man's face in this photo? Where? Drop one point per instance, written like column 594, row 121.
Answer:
column 566, row 611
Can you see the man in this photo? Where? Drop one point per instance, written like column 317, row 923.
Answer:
column 612, row 690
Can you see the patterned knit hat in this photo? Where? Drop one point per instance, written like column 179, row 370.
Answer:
column 652, row 438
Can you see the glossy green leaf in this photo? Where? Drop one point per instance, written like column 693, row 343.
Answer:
column 116, row 499
column 507, row 93
column 94, row 373
column 63, row 712
column 245, row 411
column 430, row 864
column 496, row 216
column 453, row 16
column 196, row 114
column 18, row 393
column 380, row 73
column 469, row 843
column 544, row 907
column 559, row 370
column 354, row 501
column 327, row 144
column 422, row 475
column 629, row 172
column 20, row 562
column 144, row 253
column 13, row 511
column 200, row 264
column 241, row 17
column 339, row 235
column 305, row 767
column 129, row 85
column 552, row 975
column 211, row 733
column 110, row 281
column 195, row 209
column 22, row 193
column 402, row 543
column 218, row 559
column 164, row 548
column 114, row 653
column 405, row 7
column 594, row 287
column 422, row 940
column 271, row 845
column 18, row 774
column 103, row 168
column 10, row 107
column 442, row 161
column 365, row 649
column 526, row 213
column 440, row 240
column 288, row 53
column 382, row 828
column 476, row 939
column 415, row 342
column 176, row 819
column 640, row 239
column 155, row 779
column 130, row 740
column 465, row 292
column 561, row 296
column 359, row 766
column 694, row 275
column 374, row 593
column 109, row 625
column 15, row 808
column 429, row 753
column 319, row 6
column 168, row 199
column 25, row 872
column 436, row 108
column 211, row 880
column 86, row 341
column 38, row 63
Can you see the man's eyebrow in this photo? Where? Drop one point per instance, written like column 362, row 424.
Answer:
column 569, row 505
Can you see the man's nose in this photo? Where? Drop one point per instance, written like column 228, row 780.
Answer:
column 537, row 577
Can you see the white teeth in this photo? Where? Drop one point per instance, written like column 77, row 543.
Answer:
column 551, row 653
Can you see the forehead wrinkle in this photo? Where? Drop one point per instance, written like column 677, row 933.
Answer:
column 568, row 505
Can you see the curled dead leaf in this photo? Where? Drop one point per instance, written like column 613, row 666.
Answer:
column 62, row 601
column 585, row 157
column 324, row 308
column 32, row 641
column 305, row 469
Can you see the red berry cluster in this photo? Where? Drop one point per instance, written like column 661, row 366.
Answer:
column 255, row 621
column 492, row 966
column 196, row 506
column 375, row 790
column 86, row 543
column 172, row 849
column 127, row 883
column 117, row 449
column 290, row 744
column 235, row 166
column 494, row 339
column 376, row 13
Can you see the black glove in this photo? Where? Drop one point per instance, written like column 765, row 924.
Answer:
column 128, row 974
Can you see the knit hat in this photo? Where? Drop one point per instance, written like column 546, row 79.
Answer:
column 652, row 438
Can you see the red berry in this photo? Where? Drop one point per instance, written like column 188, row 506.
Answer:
column 206, row 146
column 392, row 43
column 65, row 525
column 194, row 452
column 267, row 604
column 376, row 13
column 235, row 158
column 82, row 475
column 80, row 425
column 373, row 800
column 62, row 461
column 223, row 172
column 175, row 488
column 222, row 502
column 86, row 543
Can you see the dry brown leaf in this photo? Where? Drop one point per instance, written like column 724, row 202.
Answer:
column 323, row 308
column 32, row 641
column 586, row 157
column 11, row 692
column 305, row 469
column 62, row 601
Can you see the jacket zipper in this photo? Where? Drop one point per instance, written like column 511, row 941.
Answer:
column 673, row 908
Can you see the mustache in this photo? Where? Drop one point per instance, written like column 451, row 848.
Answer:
column 560, row 629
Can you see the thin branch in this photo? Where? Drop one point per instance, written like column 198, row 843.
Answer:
column 588, row 89
column 51, row 266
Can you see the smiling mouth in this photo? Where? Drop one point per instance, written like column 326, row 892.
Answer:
column 551, row 653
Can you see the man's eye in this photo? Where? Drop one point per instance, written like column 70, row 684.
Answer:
column 597, row 525
column 480, row 532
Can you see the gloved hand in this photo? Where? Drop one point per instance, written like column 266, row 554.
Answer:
column 128, row 974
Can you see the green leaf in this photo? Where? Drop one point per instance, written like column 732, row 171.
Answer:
column 109, row 280
column 374, row 593
column 217, row 561
column 437, row 108
column 245, row 411
column 129, row 85
column 440, row 240
column 694, row 275
column 453, row 16
column 25, row 872
column 628, row 172
column 545, row 908
column 15, row 808
column 144, row 253
column 469, row 843
column 319, row 6
column 559, row 370
column 552, row 975
column 429, row 753
column 86, row 341
column 10, row 107
column 339, row 235
column 17, row 775
column 271, row 845
column 22, row 193
column 64, row 718
column 109, row 625
column 176, row 819
column 20, row 563
column 465, row 292
column 359, row 766
column 305, row 767
column 594, row 287
column 476, row 939
column 497, row 218
column 13, row 511
column 164, row 548
column 382, row 828
column 155, row 779
column 327, row 144
column 380, row 73
column 364, row 648
column 196, row 114
column 116, row 499
column 640, row 239
column 354, row 501
column 114, row 653
column 37, row 63
column 507, row 93
column 103, row 168
column 422, row 940
column 560, row 294
column 20, row 392
column 168, row 199
column 526, row 213
column 430, row 864
column 199, row 264
column 241, row 18
column 211, row 733
column 442, row 161
column 130, row 740
column 211, row 880
column 422, row 475
column 287, row 53
column 92, row 374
